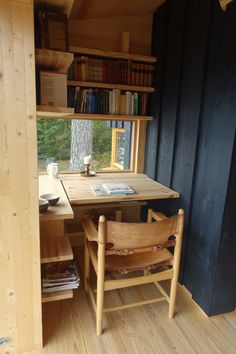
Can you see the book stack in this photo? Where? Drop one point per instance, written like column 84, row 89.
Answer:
column 125, row 72
column 59, row 276
column 100, row 101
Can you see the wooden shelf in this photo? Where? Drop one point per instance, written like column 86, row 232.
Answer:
column 55, row 249
column 57, row 295
column 111, row 54
column 110, row 86
column 53, row 59
column 87, row 116
column 52, row 109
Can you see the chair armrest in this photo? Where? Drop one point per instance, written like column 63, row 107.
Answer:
column 156, row 215
column 90, row 229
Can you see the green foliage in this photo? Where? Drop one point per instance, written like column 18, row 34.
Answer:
column 101, row 137
column 54, row 142
column 54, row 136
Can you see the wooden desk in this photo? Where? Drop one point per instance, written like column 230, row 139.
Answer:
column 62, row 210
column 79, row 189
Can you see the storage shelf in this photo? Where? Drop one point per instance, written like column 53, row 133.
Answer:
column 87, row 116
column 112, row 54
column 55, row 249
column 53, row 59
column 64, row 110
column 57, row 295
column 110, row 86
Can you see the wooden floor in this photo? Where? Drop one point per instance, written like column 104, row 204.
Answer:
column 69, row 327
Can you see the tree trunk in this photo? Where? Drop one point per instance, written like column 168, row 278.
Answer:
column 81, row 143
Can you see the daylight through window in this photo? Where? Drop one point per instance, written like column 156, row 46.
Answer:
column 67, row 142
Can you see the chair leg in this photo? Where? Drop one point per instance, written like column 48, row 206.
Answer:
column 173, row 290
column 100, row 301
column 86, row 267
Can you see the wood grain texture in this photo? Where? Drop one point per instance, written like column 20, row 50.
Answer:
column 53, row 60
column 103, row 9
column 62, row 210
column 20, row 294
column 111, row 86
column 50, row 114
column 79, row 189
column 55, row 249
column 195, row 149
column 112, row 54
column 93, row 33
column 57, row 296
column 145, row 329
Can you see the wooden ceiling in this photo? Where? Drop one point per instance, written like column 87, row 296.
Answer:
column 63, row 6
column 95, row 9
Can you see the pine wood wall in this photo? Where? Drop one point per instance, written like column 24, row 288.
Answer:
column 20, row 294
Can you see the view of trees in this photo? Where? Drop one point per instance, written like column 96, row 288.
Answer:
column 63, row 140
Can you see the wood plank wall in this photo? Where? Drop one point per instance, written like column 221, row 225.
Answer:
column 190, row 144
column 20, row 289
column 94, row 33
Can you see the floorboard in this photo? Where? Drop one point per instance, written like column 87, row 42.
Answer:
column 69, row 326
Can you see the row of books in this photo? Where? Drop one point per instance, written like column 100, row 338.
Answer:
column 125, row 72
column 59, row 276
column 98, row 101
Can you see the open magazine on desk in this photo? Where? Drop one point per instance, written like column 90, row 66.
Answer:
column 107, row 189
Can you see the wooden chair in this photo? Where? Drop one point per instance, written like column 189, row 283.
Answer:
column 127, row 247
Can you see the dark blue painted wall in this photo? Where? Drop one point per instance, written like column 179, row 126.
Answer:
column 190, row 143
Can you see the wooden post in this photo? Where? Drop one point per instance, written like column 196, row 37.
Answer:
column 100, row 273
column 20, row 291
column 125, row 42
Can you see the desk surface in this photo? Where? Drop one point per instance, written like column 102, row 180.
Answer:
column 79, row 189
column 62, row 210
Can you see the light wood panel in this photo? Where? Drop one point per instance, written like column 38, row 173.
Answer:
column 140, row 141
column 20, row 292
column 56, row 296
column 103, row 9
column 145, row 329
column 112, row 54
column 110, row 86
column 106, row 33
column 79, row 189
column 53, row 59
column 88, row 116
column 62, row 210
column 55, row 249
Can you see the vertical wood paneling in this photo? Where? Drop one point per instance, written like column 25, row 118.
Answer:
column 169, row 104
column 20, row 294
column 214, row 156
column 225, row 279
column 195, row 143
column 190, row 104
column 158, row 49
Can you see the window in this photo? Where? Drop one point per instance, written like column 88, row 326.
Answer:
column 67, row 142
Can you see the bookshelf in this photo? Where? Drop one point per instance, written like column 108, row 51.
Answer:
column 114, row 55
column 61, row 61
column 87, row 116
column 110, row 86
